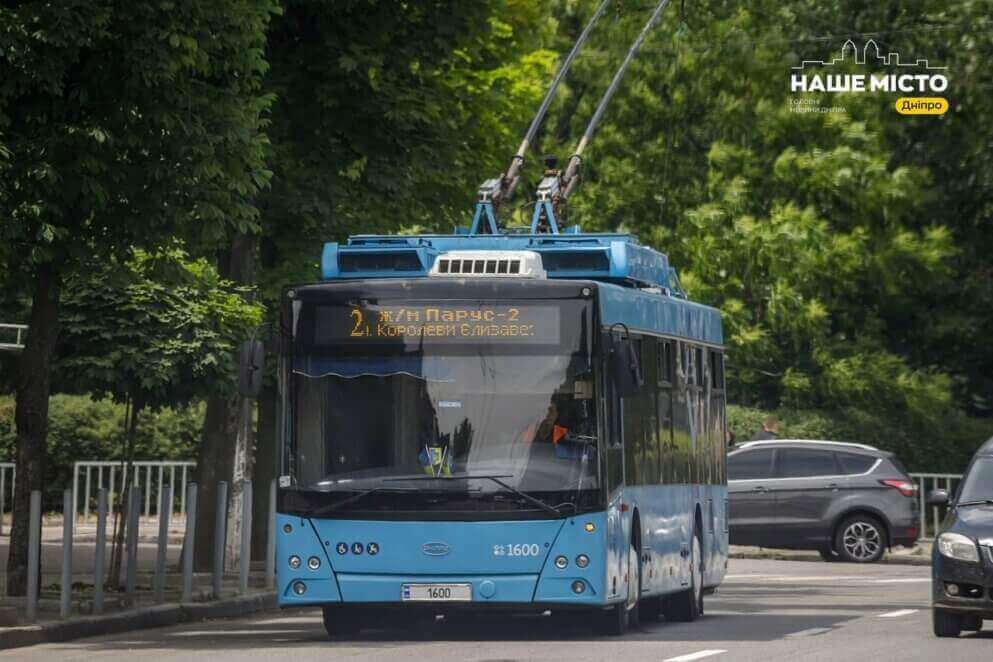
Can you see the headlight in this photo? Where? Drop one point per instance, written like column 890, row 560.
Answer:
column 957, row 546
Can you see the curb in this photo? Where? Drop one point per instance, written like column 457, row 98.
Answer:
column 146, row 617
column 779, row 555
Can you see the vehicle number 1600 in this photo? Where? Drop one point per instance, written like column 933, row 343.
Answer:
column 516, row 549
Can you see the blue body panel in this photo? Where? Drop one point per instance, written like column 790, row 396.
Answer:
column 505, row 562
column 610, row 257
column 660, row 315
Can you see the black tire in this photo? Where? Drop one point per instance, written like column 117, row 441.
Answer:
column 971, row 623
column 946, row 623
column 613, row 621
column 687, row 606
column 339, row 622
column 616, row 620
column 860, row 539
column 828, row 555
column 633, row 605
column 650, row 609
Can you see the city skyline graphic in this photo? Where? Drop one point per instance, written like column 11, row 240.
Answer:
column 869, row 53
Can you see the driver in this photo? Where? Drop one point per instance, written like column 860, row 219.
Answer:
column 548, row 429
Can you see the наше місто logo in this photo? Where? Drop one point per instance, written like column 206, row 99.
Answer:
column 891, row 75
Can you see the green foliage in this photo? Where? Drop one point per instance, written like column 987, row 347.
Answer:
column 922, row 443
column 160, row 328
column 128, row 122
column 389, row 115
column 81, row 428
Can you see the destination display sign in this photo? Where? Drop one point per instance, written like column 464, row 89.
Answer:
column 431, row 323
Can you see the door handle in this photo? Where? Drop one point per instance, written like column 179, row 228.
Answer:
column 834, row 486
column 759, row 488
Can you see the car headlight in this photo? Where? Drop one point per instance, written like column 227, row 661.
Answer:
column 957, row 546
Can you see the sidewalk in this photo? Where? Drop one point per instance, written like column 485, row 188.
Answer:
column 143, row 617
column 919, row 554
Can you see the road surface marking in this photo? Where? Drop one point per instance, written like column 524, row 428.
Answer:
column 899, row 612
column 809, row 632
column 699, row 655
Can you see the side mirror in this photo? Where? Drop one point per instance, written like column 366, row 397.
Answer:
column 251, row 362
column 625, row 370
column 937, row 498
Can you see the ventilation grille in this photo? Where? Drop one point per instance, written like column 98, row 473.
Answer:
column 488, row 264
column 585, row 261
column 501, row 267
column 385, row 261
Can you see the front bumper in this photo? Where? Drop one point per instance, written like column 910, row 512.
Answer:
column 480, row 554
column 973, row 581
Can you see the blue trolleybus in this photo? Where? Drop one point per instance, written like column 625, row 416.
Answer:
column 527, row 422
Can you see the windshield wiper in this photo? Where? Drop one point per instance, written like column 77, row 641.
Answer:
column 330, row 508
column 975, row 502
column 552, row 510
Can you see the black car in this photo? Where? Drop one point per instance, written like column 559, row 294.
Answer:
column 850, row 502
column 962, row 567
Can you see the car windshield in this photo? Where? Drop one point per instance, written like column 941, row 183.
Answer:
column 978, row 484
column 419, row 422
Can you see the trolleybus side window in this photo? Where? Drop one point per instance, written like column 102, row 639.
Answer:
column 667, row 376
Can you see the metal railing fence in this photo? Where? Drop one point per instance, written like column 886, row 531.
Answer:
column 149, row 476
column 931, row 515
column 162, row 588
column 18, row 330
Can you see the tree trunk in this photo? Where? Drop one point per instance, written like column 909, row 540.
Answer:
column 222, row 447
column 266, row 461
column 31, row 417
column 216, row 463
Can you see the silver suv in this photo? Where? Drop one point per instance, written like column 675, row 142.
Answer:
column 850, row 502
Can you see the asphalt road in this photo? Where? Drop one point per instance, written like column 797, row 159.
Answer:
column 766, row 610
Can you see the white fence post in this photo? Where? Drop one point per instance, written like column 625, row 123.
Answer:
column 925, row 483
column 112, row 467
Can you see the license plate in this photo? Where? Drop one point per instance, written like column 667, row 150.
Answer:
column 436, row 593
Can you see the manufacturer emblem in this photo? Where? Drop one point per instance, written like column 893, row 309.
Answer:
column 435, row 548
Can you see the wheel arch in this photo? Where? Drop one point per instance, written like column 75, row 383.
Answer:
column 862, row 510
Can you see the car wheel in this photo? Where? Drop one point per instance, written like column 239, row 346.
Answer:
column 687, row 605
column 860, row 539
column 338, row 622
column 946, row 623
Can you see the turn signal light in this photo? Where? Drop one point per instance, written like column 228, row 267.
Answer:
column 905, row 487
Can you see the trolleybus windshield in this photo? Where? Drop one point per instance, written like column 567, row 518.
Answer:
column 468, row 406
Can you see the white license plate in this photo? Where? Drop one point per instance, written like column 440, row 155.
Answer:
column 436, row 592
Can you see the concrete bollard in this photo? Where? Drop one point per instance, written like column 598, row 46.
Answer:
column 245, row 558
column 220, row 534
column 134, row 512
column 34, row 552
column 165, row 509
column 270, row 543
column 100, row 551
column 190, row 537
column 65, row 590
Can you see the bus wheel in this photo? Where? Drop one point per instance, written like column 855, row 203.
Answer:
column 687, row 605
column 338, row 622
column 616, row 620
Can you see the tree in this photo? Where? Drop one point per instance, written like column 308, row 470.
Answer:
column 125, row 123
column 159, row 330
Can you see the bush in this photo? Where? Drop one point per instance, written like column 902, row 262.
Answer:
column 80, row 428
column 940, row 444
